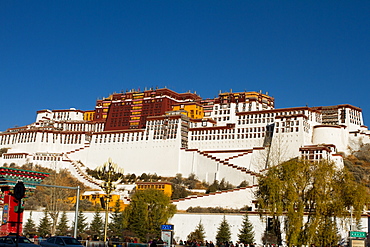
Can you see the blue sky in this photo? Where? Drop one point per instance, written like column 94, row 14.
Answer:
column 62, row 54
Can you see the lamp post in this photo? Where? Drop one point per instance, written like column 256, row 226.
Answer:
column 110, row 174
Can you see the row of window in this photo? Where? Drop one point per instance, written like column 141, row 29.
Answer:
column 212, row 131
column 286, row 129
column 14, row 156
column 152, row 186
column 160, row 122
column 31, row 137
column 225, row 131
column 271, row 114
column 222, row 119
column 80, row 126
column 222, row 112
column 145, row 102
column 24, row 137
column 229, row 136
column 164, row 134
column 201, row 124
column 47, row 158
column 256, row 121
column 63, row 138
column 137, row 110
column 61, row 115
column 287, row 123
column 312, row 156
column 355, row 121
column 125, row 137
column 354, row 117
column 306, row 126
column 159, row 127
column 222, row 106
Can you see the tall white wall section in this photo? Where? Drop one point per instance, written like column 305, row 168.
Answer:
column 331, row 134
column 154, row 156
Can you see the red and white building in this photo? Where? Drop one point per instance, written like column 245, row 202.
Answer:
column 240, row 135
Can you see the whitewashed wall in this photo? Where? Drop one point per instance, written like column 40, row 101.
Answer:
column 226, row 199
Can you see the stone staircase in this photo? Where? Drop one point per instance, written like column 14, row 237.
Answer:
column 226, row 163
column 79, row 169
column 192, row 197
column 86, row 145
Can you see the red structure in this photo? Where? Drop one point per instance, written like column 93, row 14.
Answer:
column 129, row 110
column 11, row 221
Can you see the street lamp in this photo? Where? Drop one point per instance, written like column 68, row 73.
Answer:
column 110, row 174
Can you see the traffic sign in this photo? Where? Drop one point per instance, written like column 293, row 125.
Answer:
column 356, row 234
column 167, row 227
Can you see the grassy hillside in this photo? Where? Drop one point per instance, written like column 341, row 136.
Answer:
column 359, row 164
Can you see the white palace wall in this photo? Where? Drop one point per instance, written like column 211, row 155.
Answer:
column 209, row 170
column 235, row 199
column 233, row 150
column 242, row 161
column 153, row 156
column 331, row 135
column 45, row 142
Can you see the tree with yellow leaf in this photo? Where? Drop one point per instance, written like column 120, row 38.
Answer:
column 309, row 198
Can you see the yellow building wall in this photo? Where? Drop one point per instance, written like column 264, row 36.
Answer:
column 166, row 188
column 194, row 111
column 95, row 199
column 89, row 115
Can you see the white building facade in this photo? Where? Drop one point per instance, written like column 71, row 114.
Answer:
column 235, row 140
column 240, row 135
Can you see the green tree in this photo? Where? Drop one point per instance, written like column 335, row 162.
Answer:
column 224, row 185
column 148, row 210
column 213, row 187
column 319, row 190
column 144, row 177
column 329, row 232
column 133, row 177
column 246, row 233
column 30, row 226
column 97, row 224
column 179, row 191
column 223, row 232
column 62, row 227
column 191, row 181
column 243, row 184
column 115, row 225
column 198, row 234
column 81, row 223
column 178, row 179
column 44, row 228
